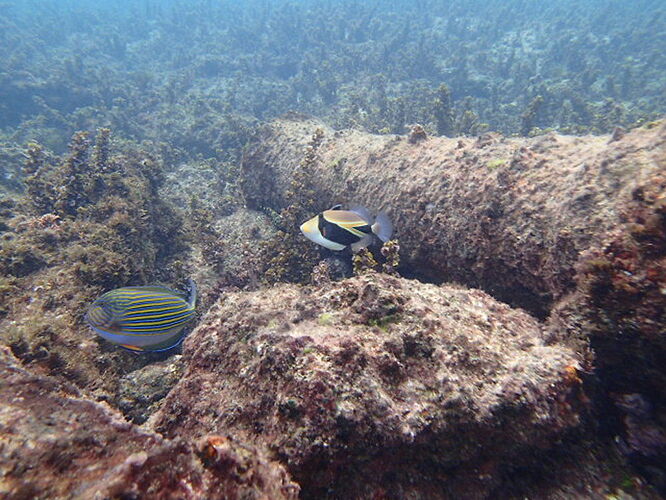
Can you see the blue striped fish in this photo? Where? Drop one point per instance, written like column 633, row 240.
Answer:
column 143, row 318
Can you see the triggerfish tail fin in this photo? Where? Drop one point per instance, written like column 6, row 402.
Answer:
column 192, row 300
column 383, row 227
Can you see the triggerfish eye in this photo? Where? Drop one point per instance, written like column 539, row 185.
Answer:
column 143, row 318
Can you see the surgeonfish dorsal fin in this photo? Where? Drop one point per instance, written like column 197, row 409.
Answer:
column 336, row 207
column 383, row 227
column 158, row 289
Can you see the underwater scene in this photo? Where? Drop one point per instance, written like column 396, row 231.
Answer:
column 333, row 249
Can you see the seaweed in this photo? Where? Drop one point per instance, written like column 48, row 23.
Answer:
column 577, row 68
column 87, row 223
column 289, row 256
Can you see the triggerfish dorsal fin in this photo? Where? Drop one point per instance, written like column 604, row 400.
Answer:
column 383, row 227
column 362, row 212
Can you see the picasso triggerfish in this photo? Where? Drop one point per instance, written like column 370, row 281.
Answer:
column 143, row 318
column 337, row 229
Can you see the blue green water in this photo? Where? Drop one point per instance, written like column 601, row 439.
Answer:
column 195, row 73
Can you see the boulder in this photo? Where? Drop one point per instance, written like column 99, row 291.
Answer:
column 377, row 384
column 55, row 443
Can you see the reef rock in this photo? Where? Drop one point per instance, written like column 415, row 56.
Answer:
column 377, row 384
column 572, row 229
column 56, row 444
column 140, row 392
column 508, row 215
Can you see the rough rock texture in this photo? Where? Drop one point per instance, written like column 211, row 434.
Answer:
column 140, row 392
column 55, row 444
column 571, row 228
column 377, row 384
column 238, row 248
column 509, row 215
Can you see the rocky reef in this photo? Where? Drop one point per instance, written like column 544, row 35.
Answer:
column 509, row 215
column 568, row 228
column 508, row 342
column 378, row 384
column 55, row 443
column 519, row 359
column 90, row 221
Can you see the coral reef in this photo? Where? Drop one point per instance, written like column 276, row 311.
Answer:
column 514, row 227
column 370, row 386
column 57, row 444
column 377, row 384
column 450, row 67
column 90, row 222
column 569, row 228
column 124, row 159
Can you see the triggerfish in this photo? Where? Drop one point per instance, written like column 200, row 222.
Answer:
column 337, row 229
column 143, row 318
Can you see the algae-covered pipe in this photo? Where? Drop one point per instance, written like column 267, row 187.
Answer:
column 509, row 215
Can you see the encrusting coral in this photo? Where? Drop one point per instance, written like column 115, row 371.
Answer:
column 377, row 383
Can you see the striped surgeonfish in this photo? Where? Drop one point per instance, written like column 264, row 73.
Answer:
column 337, row 229
column 143, row 318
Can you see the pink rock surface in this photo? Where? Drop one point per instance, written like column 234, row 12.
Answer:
column 377, row 384
column 56, row 444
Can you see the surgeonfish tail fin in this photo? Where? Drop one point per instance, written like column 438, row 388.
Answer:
column 383, row 227
column 192, row 301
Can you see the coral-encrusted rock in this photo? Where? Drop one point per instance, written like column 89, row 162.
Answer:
column 55, row 444
column 140, row 392
column 377, row 384
column 509, row 215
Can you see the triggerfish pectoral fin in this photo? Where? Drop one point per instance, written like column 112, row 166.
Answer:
column 364, row 242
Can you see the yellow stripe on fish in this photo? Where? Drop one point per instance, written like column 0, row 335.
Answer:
column 146, row 318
